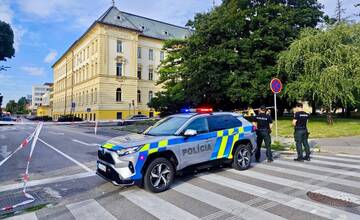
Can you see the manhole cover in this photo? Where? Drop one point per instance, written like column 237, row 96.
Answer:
column 329, row 200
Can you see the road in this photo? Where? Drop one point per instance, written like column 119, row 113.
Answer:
column 64, row 185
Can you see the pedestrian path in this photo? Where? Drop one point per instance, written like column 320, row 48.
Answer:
column 271, row 191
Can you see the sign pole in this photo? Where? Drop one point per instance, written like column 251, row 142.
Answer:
column 276, row 125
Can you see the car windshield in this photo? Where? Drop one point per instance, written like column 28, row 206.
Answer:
column 166, row 126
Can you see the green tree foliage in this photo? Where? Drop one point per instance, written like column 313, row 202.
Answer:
column 11, row 106
column 17, row 107
column 324, row 66
column 230, row 58
column 6, row 41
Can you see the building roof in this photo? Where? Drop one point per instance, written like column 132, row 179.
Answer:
column 145, row 26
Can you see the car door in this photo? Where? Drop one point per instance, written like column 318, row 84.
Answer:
column 198, row 148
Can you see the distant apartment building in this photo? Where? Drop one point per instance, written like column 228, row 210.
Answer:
column 110, row 72
column 37, row 94
column 45, row 107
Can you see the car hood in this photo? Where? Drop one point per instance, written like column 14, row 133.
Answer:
column 132, row 140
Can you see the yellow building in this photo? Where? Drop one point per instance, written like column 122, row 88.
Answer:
column 110, row 72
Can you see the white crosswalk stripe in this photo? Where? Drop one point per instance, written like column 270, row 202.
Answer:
column 353, row 166
column 89, row 210
column 156, row 206
column 290, row 201
column 295, row 184
column 313, row 166
column 340, row 181
column 336, row 158
column 27, row 216
column 229, row 205
column 349, row 155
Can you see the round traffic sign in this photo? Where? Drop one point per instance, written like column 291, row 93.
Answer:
column 275, row 85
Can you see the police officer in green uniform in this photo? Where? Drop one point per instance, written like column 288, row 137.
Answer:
column 263, row 123
column 301, row 133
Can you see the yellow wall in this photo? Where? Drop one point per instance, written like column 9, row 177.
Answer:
column 43, row 111
column 86, row 74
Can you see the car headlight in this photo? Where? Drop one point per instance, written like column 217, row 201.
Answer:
column 130, row 150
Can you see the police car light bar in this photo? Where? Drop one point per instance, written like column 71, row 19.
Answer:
column 196, row 110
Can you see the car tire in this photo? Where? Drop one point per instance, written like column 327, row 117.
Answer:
column 242, row 157
column 159, row 175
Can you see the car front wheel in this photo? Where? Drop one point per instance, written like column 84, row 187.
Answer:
column 242, row 158
column 159, row 175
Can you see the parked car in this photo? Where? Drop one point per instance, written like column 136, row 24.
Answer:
column 134, row 118
column 69, row 118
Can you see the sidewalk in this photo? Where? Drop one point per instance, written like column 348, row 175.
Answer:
column 350, row 145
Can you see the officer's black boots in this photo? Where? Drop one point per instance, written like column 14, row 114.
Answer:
column 299, row 159
column 307, row 158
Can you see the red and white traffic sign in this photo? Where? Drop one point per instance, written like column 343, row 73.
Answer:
column 276, row 85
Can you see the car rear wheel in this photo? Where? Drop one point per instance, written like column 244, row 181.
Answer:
column 242, row 157
column 159, row 175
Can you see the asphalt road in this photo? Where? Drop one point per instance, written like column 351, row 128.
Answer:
column 64, row 185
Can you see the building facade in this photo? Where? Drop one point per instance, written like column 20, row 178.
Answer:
column 111, row 71
column 38, row 91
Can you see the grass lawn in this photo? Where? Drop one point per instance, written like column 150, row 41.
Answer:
column 319, row 128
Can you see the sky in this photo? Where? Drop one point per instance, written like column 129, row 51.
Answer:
column 44, row 29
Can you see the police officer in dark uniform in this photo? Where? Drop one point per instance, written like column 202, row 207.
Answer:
column 301, row 133
column 263, row 123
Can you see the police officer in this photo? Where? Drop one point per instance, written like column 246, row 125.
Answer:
column 263, row 123
column 301, row 133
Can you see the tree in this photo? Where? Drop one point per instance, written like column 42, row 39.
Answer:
column 21, row 106
column 11, row 106
column 339, row 11
column 6, row 41
column 230, row 58
column 324, row 67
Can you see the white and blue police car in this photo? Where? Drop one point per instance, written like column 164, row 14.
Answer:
column 193, row 138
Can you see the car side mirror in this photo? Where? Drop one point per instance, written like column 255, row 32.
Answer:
column 190, row 133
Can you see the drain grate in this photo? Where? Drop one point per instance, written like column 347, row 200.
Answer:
column 329, row 200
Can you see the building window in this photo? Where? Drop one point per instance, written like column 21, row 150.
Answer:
column 118, row 94
column 139, row 53
column 119, row 48
column 92, row 96
column 87, row 97
column 83, row 98
column 162, row 55
column 139, row 96
column 139, row 72
column 151, row 54
column 150, row 95
column 151, row 74
column 119, row 69
column 95, row 96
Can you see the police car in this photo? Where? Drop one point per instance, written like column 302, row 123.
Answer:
column 195, row 137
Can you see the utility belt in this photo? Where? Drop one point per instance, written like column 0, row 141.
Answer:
column 263, row 130
column 300, row 128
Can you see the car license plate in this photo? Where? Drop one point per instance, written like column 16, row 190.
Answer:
column 102, row 167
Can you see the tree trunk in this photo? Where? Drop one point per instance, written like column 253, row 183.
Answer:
column 313, row 106
column 329, row 116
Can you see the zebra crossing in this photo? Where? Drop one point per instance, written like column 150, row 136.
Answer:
column 272, row 191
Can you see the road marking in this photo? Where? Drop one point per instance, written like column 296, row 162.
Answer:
column 322, row 169
column 67, row 156
column 295, row 184
column 348, row 155
column 221, row 202
column 27, row 216
column 56, row 133
column 340, row 181
column 4, row 152
column 290, row 201
column 2, row 137
column 47, row 181
column 336, row 164
column 335, row 158
column 156, row 206
column 216, row 215
column 87, row 144
column 89, row 210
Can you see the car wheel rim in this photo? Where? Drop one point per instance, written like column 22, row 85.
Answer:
column 160, row 176
column 243, row 158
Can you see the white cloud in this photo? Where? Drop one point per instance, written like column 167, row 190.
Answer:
column 7, row 14
column 33, row 71
column 5, row 79
column 50, row 57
